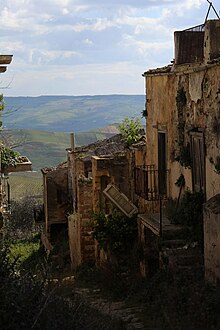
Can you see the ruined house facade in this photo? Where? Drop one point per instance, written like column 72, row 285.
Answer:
column 74, row 189
column 182, row 119
column 92, row 169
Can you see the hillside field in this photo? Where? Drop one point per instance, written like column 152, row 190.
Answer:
column 46, row 149
column 26, row 184
column 70, row 113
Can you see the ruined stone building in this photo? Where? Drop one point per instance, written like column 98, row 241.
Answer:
column 182, row 134
column 107, row 163
column 182, row 141
column 75, row 189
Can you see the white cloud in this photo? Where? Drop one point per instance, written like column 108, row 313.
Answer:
column 88, row 42
column 107, row 41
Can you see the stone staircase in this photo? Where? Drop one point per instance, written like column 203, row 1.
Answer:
column 175, row 252
column 182, row 258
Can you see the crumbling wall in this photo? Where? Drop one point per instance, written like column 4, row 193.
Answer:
column 212, row 239
column 82, row 244
column 178, row 104
column 57, row 196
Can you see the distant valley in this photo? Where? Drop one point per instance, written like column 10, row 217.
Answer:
column 41, row 125
column 70, row 113
column 46, row 149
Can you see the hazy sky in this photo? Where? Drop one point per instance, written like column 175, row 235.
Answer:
column 79, row 47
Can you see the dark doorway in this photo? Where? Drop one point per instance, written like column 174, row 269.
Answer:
column 162, row 163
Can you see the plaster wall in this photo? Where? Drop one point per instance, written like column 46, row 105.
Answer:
column 201, row 111
column 212, row 241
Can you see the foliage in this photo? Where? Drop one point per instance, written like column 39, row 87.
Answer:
column 21, row 222
column 2, row 103
column 181, row 98
column 183, row 302
column 115, row 231
column 180, row 182
column 130, row 129
column 189, row 213
column 8, row 157
column 31, row 302
column 216, row 126
column 184, row 157
column 22, row 249
column 144, row 113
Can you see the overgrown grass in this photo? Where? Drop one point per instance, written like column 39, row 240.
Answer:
column 23, row 249
column 28, row 302
column 23, row 184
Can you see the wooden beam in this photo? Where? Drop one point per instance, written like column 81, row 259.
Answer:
column 3, row 69
column 5, row 59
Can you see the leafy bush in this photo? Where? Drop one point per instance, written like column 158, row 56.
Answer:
column 21, row 222
column 8, row 157
column 115, row 231
column 130, row 130
column 28, row 302
column 184, row 157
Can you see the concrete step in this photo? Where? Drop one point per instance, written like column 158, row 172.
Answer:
column 173, row 243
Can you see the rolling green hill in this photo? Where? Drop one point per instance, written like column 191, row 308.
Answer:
column 70, row 113
column 47, row 149
column 26, row 184
column 39, row 126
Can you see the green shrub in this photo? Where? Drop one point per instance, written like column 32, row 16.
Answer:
column 28, row 302
column 115, row 231
column 130, row 130
column 21, row 223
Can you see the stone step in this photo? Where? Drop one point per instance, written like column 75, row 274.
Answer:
column 190, row 260
column 173, row 243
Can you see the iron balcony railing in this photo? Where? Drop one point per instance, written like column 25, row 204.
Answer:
column 150, row 183
column 197, row 28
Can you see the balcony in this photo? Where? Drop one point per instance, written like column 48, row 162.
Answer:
column 150, row 183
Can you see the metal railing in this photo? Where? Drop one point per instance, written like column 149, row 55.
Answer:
column 197, row 28
column 150, row 183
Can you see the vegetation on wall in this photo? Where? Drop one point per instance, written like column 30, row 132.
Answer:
column 184, row 157
column 8, row 157
column 115, row 232
column 130, row 130
column 181, row 97
column 216, row 124
column 181, row 102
